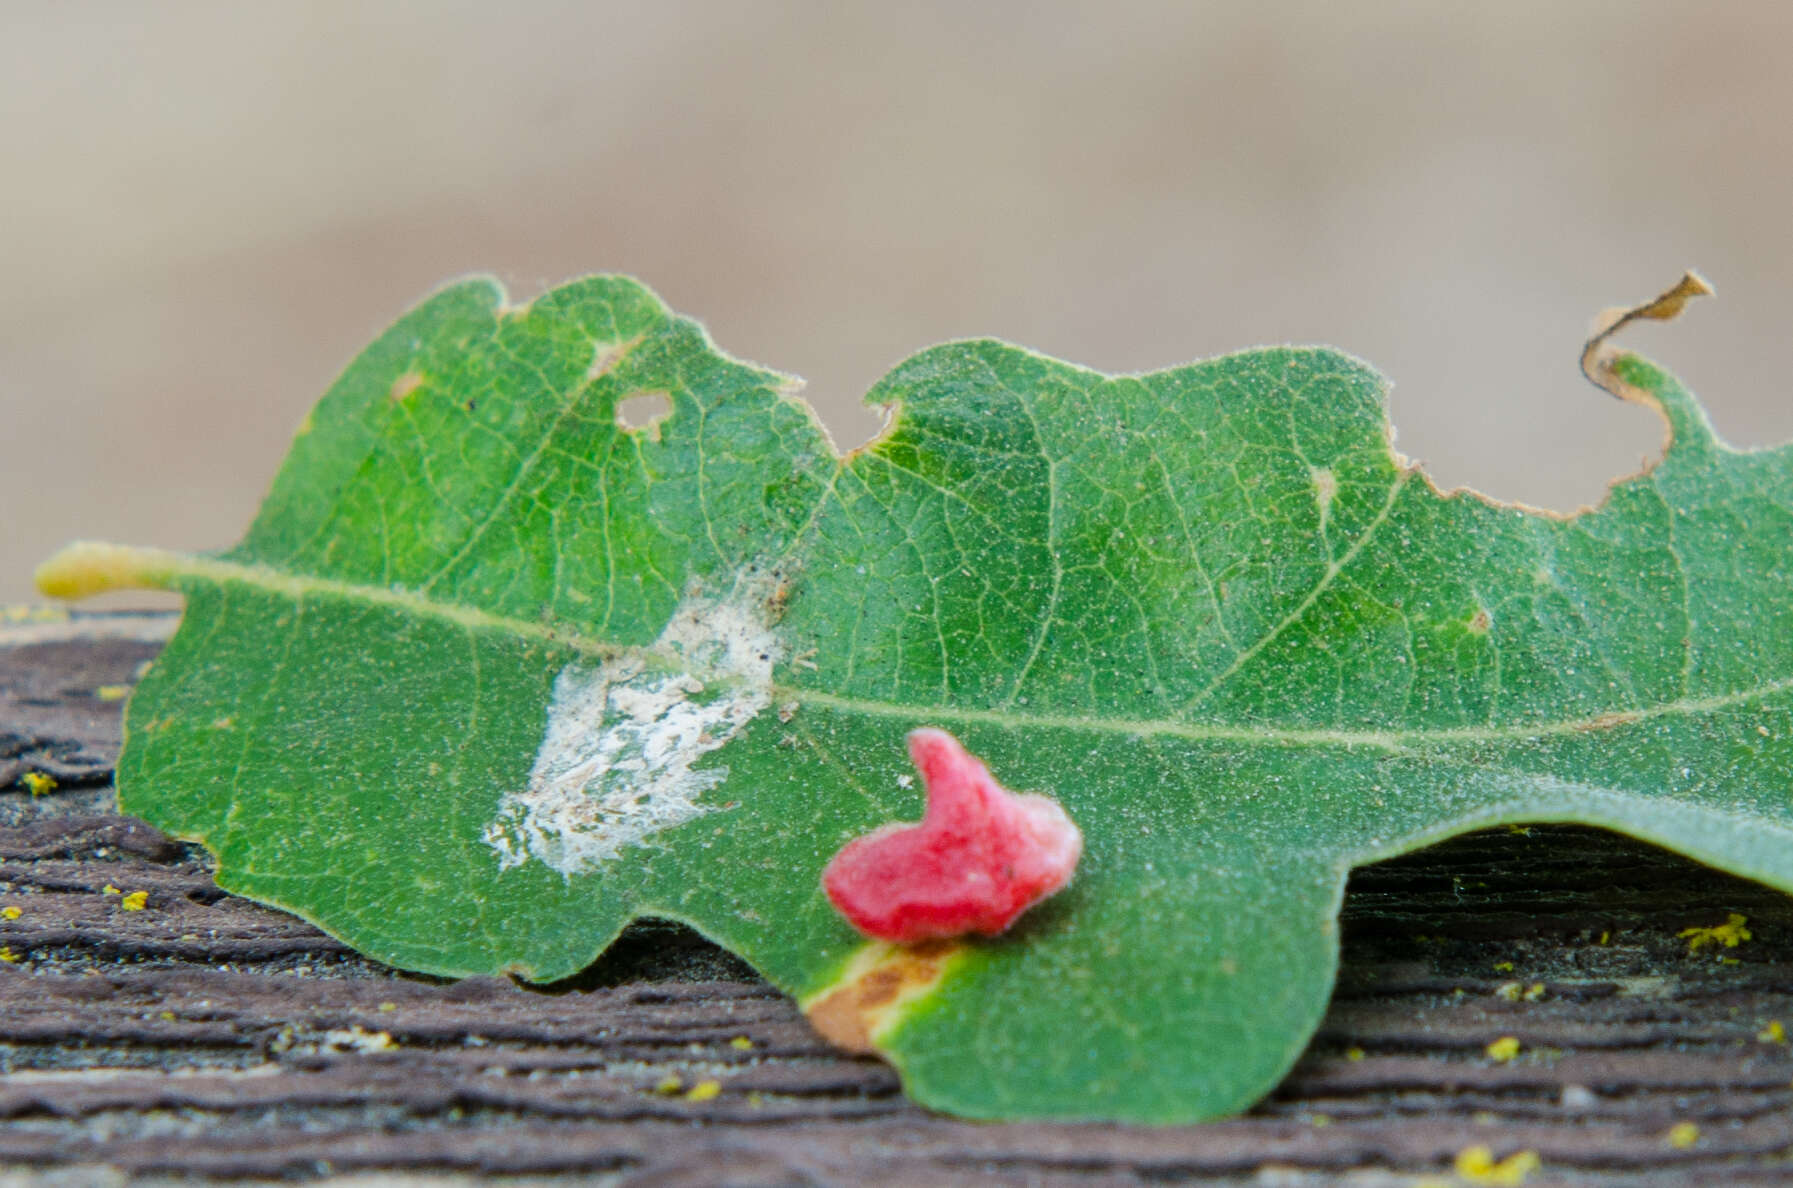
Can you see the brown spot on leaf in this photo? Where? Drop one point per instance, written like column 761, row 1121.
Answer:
column 405, row 384
column 606, row 355
column 1480, row 622
column 1608, row 721
column 875, row 988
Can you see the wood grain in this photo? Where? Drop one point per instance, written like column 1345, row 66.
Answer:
column 206, row 1036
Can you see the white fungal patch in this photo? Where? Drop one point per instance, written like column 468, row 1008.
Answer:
column 616, row 760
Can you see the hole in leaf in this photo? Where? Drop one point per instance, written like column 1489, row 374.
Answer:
column 644, row 411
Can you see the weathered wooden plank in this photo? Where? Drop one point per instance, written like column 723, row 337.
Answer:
column 205, row 1035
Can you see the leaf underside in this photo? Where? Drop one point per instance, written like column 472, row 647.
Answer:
column 475, row 691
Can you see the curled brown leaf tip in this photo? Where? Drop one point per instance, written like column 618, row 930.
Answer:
column 1597, row 356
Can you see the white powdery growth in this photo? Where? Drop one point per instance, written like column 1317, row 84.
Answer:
column 615, row 764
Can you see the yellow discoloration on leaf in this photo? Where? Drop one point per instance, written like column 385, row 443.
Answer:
column 1503, row 1049
column 704, row 1091
column 39, row 784
column 136, row 901
column 1730, row 934
column 876, row 989
column 1682, row 1135
column 1477, row 1165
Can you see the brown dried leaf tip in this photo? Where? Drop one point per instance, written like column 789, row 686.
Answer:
column 1598, row 355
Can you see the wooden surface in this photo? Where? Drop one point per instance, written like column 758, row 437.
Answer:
column 205, row 1036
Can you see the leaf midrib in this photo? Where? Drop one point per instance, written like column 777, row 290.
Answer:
column 1397, row 741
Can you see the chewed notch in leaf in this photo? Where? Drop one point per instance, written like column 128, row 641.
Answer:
column 980, row 857
column 499, row 668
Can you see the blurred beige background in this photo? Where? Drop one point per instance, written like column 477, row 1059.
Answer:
column 208, row 208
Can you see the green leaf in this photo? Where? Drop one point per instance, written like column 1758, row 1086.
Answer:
column 492, row 675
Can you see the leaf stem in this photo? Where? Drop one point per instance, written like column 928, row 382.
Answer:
column 89, row 567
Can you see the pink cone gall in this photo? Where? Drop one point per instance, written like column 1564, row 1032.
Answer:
column 980, row 857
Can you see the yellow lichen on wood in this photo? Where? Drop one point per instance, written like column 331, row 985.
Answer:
column 39, row 784
column 1730, row 934
column 136, row 901
column 1682, row 1135
column 1503, row 1049
column 1477, row 1165
column 704, row 1091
